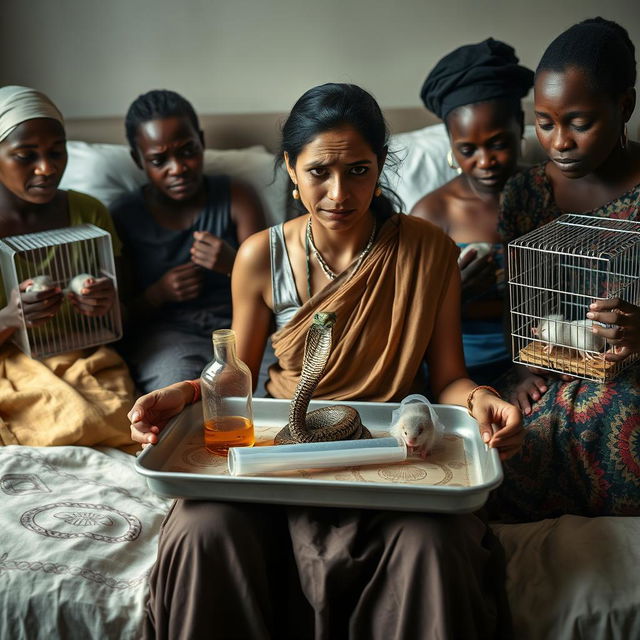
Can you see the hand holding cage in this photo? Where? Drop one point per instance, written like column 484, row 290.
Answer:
column 50, row 260
column 556, row 272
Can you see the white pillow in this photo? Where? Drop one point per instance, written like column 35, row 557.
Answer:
column 106, row 171
column 423, row 161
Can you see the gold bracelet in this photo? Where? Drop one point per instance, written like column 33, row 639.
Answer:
column 472, row 392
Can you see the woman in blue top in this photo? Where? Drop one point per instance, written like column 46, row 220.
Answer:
column 476, row 90
column 180, row 234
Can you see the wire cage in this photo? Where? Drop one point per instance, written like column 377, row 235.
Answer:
column 555, row 273
column 58, row 256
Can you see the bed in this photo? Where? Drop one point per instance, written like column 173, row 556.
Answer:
column 79, row 526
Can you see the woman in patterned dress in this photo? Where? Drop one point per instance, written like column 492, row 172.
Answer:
column 582, row 447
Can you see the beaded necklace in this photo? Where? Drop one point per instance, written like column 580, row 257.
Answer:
column 331, row 275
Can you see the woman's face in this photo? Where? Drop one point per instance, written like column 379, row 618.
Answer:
column 485, row 140
column 336, row 174
column 577, row 126
column 170, row 151
column 33, row 158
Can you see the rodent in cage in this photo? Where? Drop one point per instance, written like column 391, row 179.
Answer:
column 555, row 273
column 64, row 258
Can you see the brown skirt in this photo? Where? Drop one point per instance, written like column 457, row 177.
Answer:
column 231, row 570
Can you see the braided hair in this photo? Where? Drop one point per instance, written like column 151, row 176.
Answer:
column 601, row 48
column 159, row 103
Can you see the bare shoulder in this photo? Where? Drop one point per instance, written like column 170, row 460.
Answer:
column 253, row 256
column 434, row 207
column 246, row 209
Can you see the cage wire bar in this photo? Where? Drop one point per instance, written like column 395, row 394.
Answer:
column 61, row 254
column 555, row 273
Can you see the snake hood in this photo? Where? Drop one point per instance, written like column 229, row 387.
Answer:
column 337, row 422
column 325, row 319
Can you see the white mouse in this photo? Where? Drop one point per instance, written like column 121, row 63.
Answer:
column 581, row 337
column 40, row 283
column 481, row 248
column 79, row 282
column 416, row 429
column 551, row 329
column 577, row 334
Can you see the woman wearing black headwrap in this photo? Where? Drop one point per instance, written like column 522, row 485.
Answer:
column 476, row 90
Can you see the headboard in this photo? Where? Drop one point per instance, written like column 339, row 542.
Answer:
column 238, row 130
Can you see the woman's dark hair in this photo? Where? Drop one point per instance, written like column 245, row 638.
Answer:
column 159, row 103
column 330, row 106
column 601, row 48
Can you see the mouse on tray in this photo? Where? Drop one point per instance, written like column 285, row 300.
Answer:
column 416, row 423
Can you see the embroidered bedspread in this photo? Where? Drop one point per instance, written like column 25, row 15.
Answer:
column 78, row 538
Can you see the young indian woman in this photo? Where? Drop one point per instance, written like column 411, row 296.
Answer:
column 259, row 571
column 180, row 234
column 78, row 397
column 581, row 453
column 476, row 91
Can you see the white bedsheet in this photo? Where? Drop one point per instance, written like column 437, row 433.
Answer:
column 574, row 578
column 79, row 530
column 78, row 537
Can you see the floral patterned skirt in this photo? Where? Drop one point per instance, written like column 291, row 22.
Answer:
column 581, row 453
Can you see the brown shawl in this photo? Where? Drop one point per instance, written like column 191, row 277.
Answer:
column 385, row 317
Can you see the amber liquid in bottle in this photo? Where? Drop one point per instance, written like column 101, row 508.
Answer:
column 229, row 431
column 227, row 411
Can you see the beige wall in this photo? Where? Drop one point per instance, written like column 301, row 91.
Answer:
column 94, row 56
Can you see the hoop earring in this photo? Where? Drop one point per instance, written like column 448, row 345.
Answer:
column 378, row 192
column 451, row 162
column 624, row 138
column 295, row 193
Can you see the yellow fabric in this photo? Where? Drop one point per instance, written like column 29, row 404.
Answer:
column 80, row 397
column 385, row 317
column 85, row 209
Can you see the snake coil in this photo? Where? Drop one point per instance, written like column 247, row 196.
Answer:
column 338, row 422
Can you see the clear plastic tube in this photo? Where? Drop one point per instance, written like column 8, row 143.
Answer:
column 245, row 461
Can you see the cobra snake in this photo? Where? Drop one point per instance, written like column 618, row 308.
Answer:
column 337, row 422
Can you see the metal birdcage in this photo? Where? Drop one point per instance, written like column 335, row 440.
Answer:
column 555, row 273
column 60, row 255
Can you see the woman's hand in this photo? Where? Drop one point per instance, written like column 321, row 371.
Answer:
column 36, row 307
column 151, row 412
column 179, row 284
column 625, row 334
column 213, row 253
column 96, row 299
column 478, row 276
column 499, row 421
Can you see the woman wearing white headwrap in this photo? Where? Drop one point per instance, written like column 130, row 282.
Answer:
column 77, row 397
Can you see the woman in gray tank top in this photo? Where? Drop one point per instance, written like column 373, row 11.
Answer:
column 238, row 570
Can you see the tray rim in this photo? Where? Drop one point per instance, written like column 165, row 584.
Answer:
column 436, row 491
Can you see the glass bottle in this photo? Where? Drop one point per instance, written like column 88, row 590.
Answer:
column 226, row 397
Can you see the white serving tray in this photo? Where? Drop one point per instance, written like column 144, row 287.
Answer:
column 456, row 478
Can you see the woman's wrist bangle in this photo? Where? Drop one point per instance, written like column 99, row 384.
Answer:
column 472, row 393
column 197, row 391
